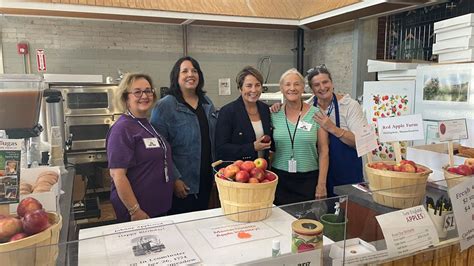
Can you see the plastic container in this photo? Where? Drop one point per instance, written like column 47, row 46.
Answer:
column 20, row 101
column 397, row 189
column 246, row 202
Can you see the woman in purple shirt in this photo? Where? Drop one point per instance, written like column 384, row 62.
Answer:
column 138, row 157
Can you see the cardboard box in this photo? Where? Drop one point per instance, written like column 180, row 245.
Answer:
column 466, row 31
column 49, row 200
column 455, row 57
column 453, row 23
column 453, row 45
column 380, row 65
column 354, row 246
column 433, row 156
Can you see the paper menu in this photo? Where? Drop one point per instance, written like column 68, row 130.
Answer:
column 148, row 243
column 462, row 199
column 407, row 230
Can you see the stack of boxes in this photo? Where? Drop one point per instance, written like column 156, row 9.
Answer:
column 392, row 70
column 455, row 39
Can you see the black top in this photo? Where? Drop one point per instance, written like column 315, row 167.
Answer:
column 206, row 169
column 235, row 138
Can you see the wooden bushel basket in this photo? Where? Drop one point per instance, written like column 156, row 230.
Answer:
column 397, row 189
column 246, row 202
column 39, row 249
column 454, row 179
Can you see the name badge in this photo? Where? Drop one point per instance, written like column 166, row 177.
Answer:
column 304, row 126
column 151, row 143
column 292, row 165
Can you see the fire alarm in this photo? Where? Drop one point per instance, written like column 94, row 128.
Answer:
column 22, row 48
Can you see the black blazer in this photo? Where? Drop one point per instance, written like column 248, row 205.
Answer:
column 235, row 134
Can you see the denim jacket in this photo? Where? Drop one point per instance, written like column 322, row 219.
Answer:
column 180, row 127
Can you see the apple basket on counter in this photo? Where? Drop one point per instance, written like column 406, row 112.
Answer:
column 37, row 243
column 246, row 194
column 397, row 184
column 455, row 175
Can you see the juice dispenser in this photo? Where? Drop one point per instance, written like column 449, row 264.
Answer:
column 20, row 102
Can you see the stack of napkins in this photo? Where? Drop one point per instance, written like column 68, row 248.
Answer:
column 455, row 39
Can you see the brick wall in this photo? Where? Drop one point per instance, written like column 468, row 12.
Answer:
column 333, row 46
column 75, row 46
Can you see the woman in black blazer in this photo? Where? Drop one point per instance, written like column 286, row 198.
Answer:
column 242, row 123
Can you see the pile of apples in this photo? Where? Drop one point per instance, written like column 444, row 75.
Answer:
column 404, row 166
column 464, row 169
column 247, row 172
column 31, row 220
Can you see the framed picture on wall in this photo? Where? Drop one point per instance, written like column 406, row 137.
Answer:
column 388, row 99
column 445, row 91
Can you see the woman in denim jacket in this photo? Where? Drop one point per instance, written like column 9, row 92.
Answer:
column 187, row 119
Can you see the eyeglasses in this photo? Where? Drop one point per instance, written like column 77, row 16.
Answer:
column 139, row 93
column 317, row 68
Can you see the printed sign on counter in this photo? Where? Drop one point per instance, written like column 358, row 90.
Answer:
column 462, row 199
column 455, row 129
column 400, row 128
column 366, row 140
column 10, row 161
column 408, row 230
column 236, row 233
column 148, row 243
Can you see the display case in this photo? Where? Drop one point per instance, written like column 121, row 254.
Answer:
column 363, row 232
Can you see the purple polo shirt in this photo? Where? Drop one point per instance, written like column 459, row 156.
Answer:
column 145, row 167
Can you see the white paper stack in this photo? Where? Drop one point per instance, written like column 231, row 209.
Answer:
column 455, row 39
column 392, row 70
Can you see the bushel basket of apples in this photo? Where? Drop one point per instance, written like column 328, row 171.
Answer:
column 397, row 185
column 246, row 190
column 31, row 237
column 457, row 174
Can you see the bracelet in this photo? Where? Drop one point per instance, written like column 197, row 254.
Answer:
column 342, row 134
column 134, row 209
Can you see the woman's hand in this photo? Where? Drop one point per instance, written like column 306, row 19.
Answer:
column 139, row 215
column 321, row 192
column 258, row 145
column 275, row 107
column 180, row 189
column 324, row 121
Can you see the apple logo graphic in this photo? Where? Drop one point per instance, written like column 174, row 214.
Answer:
column 442, row 128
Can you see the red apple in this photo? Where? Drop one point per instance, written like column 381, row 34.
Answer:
column 8, row 227
column 266, row 139
column 230, row 171
column 380, row 166
column 469, row 162
column 247, row 166
column 397, row 167
column 238, row 163
column 265, row 181
column 420, row 169
column 463, row 170
column 270, row 176
column 408, row 168
column 220, row 173
column 242, row 176
column 35, row 222
column 408, row 162
column 2, row 216
column 18, row 236
column 452, row 170
column 258, row 174
column 28, row 204
column 253, row 180
column 261, row 163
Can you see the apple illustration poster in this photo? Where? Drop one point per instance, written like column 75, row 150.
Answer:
column 388, row 99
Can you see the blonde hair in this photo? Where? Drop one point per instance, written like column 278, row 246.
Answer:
column 289, row 72
column 126, row 84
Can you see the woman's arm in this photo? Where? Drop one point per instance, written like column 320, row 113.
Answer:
column 126, row 195
column 323, row 156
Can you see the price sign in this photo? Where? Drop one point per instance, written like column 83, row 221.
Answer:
column 407, row 230
column 366, row 140
column 452, row 129
column 462, row 199
column 400, row 128
column 449, row 223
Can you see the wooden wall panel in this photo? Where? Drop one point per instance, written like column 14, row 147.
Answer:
column 286, row 9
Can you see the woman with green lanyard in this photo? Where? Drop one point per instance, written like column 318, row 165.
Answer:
column 301, row 147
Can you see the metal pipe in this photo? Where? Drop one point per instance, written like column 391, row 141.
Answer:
column 300, row 51
column 185, row 40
